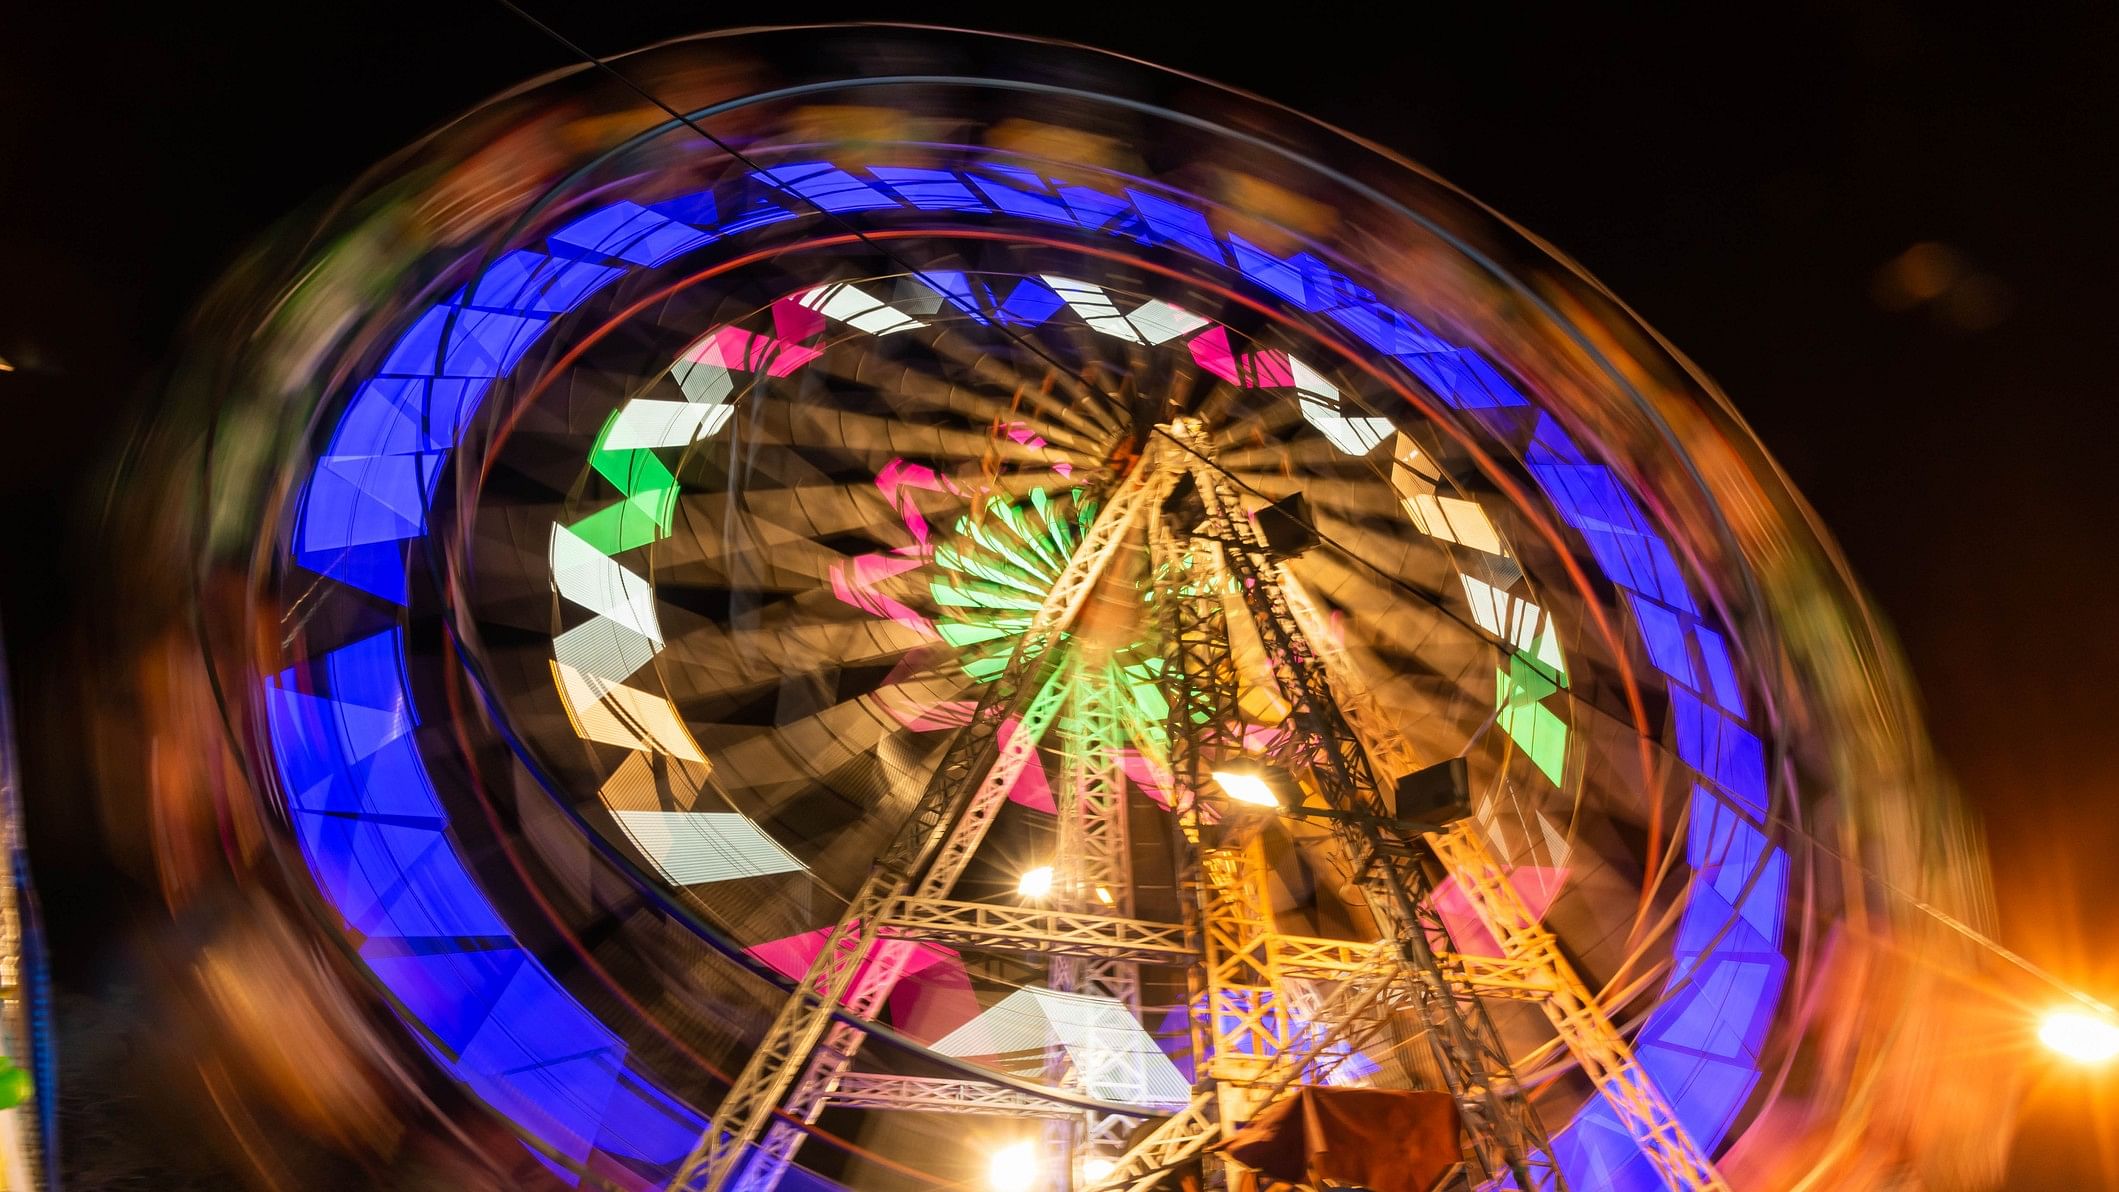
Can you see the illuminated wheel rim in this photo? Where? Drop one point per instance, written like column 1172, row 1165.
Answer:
column 487, row 715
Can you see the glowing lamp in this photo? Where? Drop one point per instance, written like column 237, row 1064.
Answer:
column 1035, row 883
column 2080, row 1036
column 1094, row 1170
column 1013, row 1168
column 1246, row 787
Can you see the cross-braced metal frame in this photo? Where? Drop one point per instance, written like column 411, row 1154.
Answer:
column 939, row 837
column 1244, row 994
column 1094, row 868
column 1272, row 1010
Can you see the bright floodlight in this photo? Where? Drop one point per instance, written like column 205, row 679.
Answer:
column 1097, row 1168
column 1246, row 787
column 1035, row 883
column 1013, row 1168
column 2084, row 1038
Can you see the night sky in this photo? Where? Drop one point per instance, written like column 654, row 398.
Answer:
column 1752, row 189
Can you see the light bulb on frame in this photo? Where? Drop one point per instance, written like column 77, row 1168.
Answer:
column 1035, row 883
column 1013, row 1168
column 1246, row 787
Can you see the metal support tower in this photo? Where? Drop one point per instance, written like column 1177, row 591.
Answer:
column 1507, row 1138
column 1531, row 955
column 873, row 985
column 1531, row 964
column 944, row 829
column 1246, row 1003
column 1093, row 870
column 1255, row 1039
column 1204, row 693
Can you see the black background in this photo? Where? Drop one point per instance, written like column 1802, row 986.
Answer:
column 1741, row 179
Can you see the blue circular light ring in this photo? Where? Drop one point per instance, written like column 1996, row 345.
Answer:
column 374, row 836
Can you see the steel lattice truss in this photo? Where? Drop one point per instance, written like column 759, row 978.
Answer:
column 1505, row 1135
column 1033, row 930
column 1095, row 867
column 870, row 986
column 966, row 791
column 872, row 1090
column 1574, row 1012
column 1277, row 1010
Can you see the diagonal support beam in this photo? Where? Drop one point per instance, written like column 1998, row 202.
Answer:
column 1372, row 726
column 873, row 986
column 1575, row 1014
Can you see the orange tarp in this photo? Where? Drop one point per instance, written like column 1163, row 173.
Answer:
column 1377, row 1139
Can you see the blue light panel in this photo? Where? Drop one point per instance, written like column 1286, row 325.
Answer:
column 1721, row 672
column 958, row 290
column 1665, row 635
column 828, row 187
column 1020, row 192
column 369, row 492
column 376, row 839
column 929, row 190
column 1464, row 379
column 1099, row 212
column 534, row 283
column 1175, row 223
column 1029, row 302
column 1286, row 278
column 631, row 233
column 1549, row 444
column 1596, row 1152
column 700, row 209
column 1721, row 750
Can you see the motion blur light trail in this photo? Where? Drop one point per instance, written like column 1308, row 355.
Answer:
column 28, row 1096
column 872, row 533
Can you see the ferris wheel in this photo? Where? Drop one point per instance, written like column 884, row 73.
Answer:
column 1013, row 621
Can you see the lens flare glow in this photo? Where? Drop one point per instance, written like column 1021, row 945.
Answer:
column 1013, row 1168
column 2079, row 1036
column 1035, row 883
column 1246, row 787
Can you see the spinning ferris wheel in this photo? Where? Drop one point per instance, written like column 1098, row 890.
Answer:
column 1018, row 620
